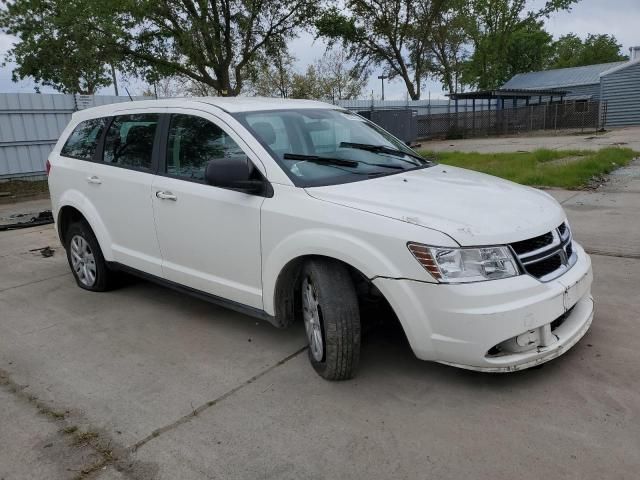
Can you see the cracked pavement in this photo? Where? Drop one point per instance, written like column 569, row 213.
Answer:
column 146, row 383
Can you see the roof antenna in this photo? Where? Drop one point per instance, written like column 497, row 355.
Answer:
column 127, row 90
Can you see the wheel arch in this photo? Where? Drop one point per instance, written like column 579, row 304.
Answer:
column 286, row 287
column 74, row 207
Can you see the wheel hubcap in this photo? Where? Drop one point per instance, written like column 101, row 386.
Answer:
column 311, row 315
column 83, row 261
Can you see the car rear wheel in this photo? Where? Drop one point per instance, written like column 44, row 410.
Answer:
column 85, row 259
column 331, row 319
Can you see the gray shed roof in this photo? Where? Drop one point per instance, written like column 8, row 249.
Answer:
column 561, row 77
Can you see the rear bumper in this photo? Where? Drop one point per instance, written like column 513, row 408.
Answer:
column 496, row 326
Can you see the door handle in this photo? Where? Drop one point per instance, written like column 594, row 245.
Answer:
column 94, row 179
column 166, row 196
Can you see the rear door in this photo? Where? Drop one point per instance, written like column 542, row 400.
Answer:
column 75, row 165
column 209, row 236
column 119, row 185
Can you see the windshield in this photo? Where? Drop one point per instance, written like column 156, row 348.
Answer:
column 325, row 147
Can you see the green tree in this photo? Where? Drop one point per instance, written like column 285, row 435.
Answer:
column 331, row 77
column 338, row 80
column 55, row 47
column 448, row 45
column 272, row 74
column 306, row 85
column 394, row 34
column 497, row 27
column 212, row 42
column 571, row 51
column 529, row 49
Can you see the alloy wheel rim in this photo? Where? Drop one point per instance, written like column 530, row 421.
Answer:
column 311, row 315
column 82, row 261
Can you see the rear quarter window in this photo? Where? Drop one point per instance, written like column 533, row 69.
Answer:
column 83, row 141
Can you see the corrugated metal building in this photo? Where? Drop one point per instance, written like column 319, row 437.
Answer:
column 579, row 81
column 620, row 87
column 616, row 84
column 30, row 124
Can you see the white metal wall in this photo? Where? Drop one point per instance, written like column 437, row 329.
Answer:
column 30, row 124
column 621, row 91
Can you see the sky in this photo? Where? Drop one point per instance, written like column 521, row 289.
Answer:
column 615, row 17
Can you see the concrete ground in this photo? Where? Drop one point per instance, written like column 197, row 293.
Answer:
column 623, row 137
column 145, row 383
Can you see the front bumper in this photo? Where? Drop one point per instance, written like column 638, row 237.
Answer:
column 468, row 325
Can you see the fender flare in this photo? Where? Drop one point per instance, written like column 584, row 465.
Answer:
column 348, row 249
column 75, row 199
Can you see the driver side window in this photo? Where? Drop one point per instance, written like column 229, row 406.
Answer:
column 193, row 142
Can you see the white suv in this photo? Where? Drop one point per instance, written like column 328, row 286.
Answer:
column 292, row 209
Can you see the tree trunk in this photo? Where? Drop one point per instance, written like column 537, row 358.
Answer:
column 413, row 93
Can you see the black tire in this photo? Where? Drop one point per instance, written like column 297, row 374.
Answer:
column 104, row 278
column 339, row 318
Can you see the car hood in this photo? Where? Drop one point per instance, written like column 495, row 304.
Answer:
column 471, row 207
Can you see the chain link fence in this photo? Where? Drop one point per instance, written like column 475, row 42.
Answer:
column 578, row 115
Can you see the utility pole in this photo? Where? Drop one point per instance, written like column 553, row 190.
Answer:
column 382, row 77
column 115, row 80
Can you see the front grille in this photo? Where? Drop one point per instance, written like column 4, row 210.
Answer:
column 569, row 250
column 562, row 229
column 526, row 246
column 547, row 256
column 544, row 267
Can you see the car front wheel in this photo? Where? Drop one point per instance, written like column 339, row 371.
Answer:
column 331, row 319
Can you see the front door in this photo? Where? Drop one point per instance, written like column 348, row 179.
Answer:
column 209, row 236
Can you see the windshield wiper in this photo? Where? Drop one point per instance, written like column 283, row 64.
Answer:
column 324, row 160
column 382, row 149
column 335, row 161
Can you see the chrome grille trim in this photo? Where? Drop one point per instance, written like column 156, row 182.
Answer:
column 552, row 246
column 561, row 245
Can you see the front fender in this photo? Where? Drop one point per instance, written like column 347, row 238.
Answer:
column 352, row 250
column 75, row 198
column 295, row 225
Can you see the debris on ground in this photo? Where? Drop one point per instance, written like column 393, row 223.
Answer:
column 43, row 218
column 46, row 252
column 596, row 182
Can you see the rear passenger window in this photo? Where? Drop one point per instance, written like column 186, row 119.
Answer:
column 129, row 141
column 194, row 142
column 83, row 141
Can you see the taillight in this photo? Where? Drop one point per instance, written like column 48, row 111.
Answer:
column 47, row 167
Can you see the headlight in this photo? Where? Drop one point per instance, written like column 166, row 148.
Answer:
column 462, row 265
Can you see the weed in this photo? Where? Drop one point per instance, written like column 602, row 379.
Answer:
column 538, row 168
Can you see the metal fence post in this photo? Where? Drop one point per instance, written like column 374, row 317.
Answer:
column 531, row 118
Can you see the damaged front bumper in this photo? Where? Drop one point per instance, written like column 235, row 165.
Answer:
column 495, row 326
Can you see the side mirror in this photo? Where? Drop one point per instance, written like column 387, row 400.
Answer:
column 234, row 173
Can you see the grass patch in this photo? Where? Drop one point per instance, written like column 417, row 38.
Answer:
column 542, row 168
column 83, row 438
column 51, row 413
